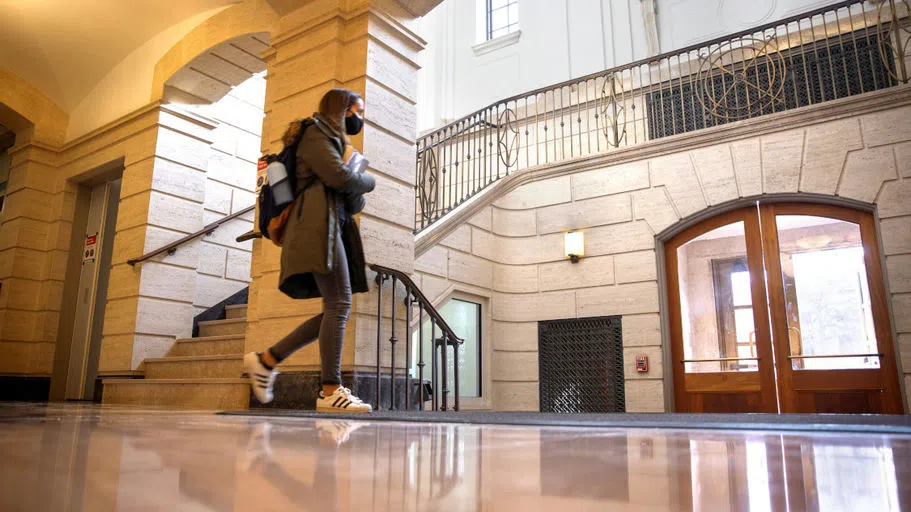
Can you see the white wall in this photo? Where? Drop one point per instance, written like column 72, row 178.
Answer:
column 685, row 22
column 564, row 39
column 224, row 263
column 561, row 39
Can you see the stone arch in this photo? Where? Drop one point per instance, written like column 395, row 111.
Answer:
column 250, row 17
column 213, row 73
column 28, row 112
column 713, row 211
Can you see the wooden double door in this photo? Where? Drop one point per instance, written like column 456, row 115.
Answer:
column 781, row 308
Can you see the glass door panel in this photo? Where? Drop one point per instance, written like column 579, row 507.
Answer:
column 827, row 297
column 716, row 302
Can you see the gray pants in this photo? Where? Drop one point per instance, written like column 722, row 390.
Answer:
column 328, row 326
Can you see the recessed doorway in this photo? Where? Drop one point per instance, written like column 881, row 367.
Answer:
column 781, row 308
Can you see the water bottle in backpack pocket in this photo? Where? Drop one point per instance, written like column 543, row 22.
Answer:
column 282, row 193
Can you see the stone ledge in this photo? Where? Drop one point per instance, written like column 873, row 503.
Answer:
column 498, row 43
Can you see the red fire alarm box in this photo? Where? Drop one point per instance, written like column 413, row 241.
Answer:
column 642, row 364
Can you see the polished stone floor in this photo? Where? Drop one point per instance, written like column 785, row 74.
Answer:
column 97, row 459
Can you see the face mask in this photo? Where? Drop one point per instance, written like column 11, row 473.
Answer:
column 353, row 124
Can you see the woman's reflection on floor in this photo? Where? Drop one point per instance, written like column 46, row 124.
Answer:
column 331, row 436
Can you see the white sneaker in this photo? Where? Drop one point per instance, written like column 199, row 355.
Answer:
column 341, row 401
column 261, row 378
column 259, row 449
column 336, row 430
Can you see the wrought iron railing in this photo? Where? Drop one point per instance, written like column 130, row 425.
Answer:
column 413, row 299
column 844, row 49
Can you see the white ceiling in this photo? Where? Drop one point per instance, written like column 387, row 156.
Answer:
column 65, row 47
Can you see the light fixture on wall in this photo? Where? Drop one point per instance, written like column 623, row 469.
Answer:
column 574, row 245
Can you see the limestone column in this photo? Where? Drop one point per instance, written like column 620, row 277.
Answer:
column 368, row 46
column 34, row 240
column 162, row 199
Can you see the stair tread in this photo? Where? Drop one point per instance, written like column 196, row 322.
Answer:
column 221, row 337
column 180, row 359
column 225, row 321
column 236, row 306
column 176, row 381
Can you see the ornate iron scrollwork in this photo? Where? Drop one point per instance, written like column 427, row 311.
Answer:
column 894, row 42
column 508, row 137
column 427, row 183
column 741, row 79
column 613, row 109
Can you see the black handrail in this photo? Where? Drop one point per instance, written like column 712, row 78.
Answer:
column 827, row 53
column 414, row 295
column 172, row 247
column 648, row 60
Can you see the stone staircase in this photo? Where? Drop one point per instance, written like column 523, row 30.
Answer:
column 203, row 373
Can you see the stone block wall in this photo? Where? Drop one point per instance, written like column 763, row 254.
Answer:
column 162, row 196
column 224, row 263
column 34, row 242
column 513, row 247
column 370, row 48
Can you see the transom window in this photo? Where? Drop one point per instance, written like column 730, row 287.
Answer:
column 502, row 17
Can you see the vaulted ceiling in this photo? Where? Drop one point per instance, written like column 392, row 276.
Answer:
column 65, row 47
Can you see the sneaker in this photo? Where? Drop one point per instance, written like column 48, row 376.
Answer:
column 337, row 431
column 341, row 401
column 259, row 449
column 261, row 378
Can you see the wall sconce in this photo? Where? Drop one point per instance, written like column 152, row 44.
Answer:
column 574, row 245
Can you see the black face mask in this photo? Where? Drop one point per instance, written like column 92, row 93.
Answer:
column 354, row 124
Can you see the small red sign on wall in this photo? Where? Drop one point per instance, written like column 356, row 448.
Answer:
column 641, row 364
column 89, row 248
column 261, row 177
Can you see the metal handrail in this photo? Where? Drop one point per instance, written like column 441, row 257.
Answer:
column 419, row 295
column 171, row 248
column 819, row 55
column 649, row 60
column 825, row 356
column 414, row 296
column 719, row 359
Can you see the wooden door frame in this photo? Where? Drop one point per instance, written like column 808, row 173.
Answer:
column 892, row 396
column 749, row 215
column 665, row 235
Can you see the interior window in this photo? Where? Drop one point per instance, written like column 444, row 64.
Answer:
column 502, row 17
column 465, row 320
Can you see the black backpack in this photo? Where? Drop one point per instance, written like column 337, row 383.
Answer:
column 288, row 157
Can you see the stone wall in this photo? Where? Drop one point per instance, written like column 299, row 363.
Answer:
column 224, row 263
column 513, row 246
column 371, row 48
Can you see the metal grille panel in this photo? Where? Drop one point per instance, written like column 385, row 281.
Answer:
column 834, row 68
column 581, row 365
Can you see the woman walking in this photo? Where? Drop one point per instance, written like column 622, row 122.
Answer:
column 322, row 255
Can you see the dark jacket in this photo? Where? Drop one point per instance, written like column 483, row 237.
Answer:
column 324, row 184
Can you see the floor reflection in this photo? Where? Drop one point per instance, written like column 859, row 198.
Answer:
column 87, row 458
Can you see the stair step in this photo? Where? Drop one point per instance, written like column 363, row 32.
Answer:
column 222, row 327
column 236, row 311
column 187, row 394
column 195, row 367
column 208, row 346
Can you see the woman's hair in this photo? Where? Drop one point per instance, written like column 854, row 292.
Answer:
column 332, row 108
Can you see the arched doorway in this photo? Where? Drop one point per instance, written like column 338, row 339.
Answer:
column 781, row 308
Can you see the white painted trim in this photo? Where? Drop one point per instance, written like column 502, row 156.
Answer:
column 497, row 43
